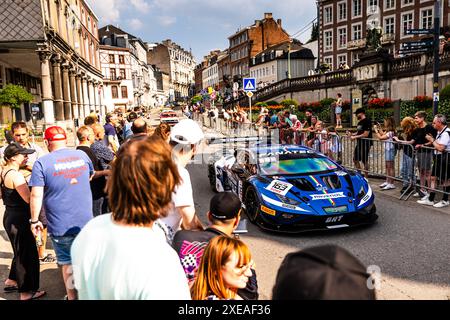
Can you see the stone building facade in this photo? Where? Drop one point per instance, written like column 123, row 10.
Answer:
column 178, row 63
column 52, row 48
column 344, row 24
column 248, row 42
column 143, row 91
column 117, row 77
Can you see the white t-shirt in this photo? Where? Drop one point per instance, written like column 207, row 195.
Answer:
column 182, row 197
column 113, row 262
column 443, row 138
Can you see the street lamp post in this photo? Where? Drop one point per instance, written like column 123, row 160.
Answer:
column 437, row 25
column 289, row 59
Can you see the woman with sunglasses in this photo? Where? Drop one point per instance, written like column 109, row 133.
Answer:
column 24, row 274
column 225, row 267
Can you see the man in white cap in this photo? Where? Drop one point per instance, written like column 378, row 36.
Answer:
column 185, row 136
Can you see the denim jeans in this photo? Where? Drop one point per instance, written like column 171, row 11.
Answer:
column 407, row 170
column 97, row 206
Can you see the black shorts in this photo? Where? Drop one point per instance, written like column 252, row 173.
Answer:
column 441, row 167
column 362, row 151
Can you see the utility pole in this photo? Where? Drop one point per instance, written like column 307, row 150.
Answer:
column 318, row 38
column 289, row 60
column 437, row 27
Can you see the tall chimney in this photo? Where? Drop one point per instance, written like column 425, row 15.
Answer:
column 268, row 15
column 279, row 22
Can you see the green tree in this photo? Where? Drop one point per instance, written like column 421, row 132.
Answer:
column 14, row 96
column 445, row 93
column 314, row 33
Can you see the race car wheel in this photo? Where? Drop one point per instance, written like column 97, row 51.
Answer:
column 212, row 177
column 252, row 205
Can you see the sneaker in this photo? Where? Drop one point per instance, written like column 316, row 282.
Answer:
column 426, row 202
column 442, row 204
column 383, row 185
column 389, row 187
column 48, row 259
column 425, row 197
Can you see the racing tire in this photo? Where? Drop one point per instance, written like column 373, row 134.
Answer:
column 212, row 177
column 252, row 205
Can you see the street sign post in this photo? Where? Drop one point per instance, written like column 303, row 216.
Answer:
column 418, row 44
column 249, row 86
column 437, row 24
column 419, row 31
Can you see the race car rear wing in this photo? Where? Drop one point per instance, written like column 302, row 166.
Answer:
column 225, row 140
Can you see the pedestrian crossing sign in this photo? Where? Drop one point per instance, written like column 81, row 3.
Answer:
column 249, row 84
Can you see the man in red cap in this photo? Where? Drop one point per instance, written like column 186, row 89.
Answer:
column 60, row 182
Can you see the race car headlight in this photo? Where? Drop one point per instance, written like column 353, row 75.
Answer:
column 361, row 193
column 287, row 200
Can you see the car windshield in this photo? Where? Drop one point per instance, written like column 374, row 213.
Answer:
column 290, row 164
column 168, row 115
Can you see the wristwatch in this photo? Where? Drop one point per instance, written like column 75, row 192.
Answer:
column 33, row 222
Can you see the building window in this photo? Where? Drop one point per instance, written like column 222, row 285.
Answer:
column 328, row 15
column 121, row 59
column 111, row 58
column 328, row 37
column 342, row 33
column 273, row 70
column 355, row 58
column 342, row 59
column 112, row 72
column 122, row 74
column 329, row 62
column 407, row 2
column 407, row 22
column 342, row 11
column 124, row 91
column 389, row 25
column 426, row 19
column 357, row 11
column 356, row 32
column 389, row 4
column 115, row 92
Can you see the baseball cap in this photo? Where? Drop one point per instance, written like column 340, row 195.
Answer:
column 55, row 133
column 14, row 149
column 322, row 273
column 360, row 110
column 186, row 132
column 225, row 206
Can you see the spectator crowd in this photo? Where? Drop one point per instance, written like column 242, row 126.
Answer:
column 120, row 212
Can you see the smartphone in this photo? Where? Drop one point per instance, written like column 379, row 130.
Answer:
column 242, row 227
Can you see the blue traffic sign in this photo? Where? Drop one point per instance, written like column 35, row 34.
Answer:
column 250, row 84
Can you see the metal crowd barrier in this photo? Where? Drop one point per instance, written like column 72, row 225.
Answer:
column 411, row 167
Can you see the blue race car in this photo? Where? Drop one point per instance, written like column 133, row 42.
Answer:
column 289, row 188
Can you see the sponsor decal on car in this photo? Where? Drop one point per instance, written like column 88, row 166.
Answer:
column 279, row 187
column 268, row 211
column 280, row 204
column 334, row 219
column 327, row 196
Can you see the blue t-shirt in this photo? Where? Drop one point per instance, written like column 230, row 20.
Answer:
column 273, row 119
column 65, row 174
column 127, row 133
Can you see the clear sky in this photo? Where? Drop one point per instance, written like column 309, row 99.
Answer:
column 201, row 25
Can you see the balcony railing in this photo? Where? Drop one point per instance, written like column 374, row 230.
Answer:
column 113, row 79
column 388, row 38
column 356, row 44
